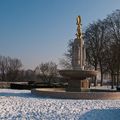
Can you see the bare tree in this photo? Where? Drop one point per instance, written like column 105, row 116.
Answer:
column 91, row 46
column 14, row 66
column 3, row 67
column 9, row 68
column 96, row 42
column 113, row 34
column 47, row 71
column 103, row 43
column 66, row 61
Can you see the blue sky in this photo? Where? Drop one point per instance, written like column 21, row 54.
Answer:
column 38, row 31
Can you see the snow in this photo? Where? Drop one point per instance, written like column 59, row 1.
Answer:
column 22, row 105
column 105, row 87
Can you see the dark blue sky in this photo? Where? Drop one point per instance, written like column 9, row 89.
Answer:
column 37, row 31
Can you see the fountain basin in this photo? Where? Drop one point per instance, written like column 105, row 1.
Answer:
column 77, row 81
column 78, row 74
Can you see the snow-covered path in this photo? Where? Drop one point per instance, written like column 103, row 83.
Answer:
column 21, row 105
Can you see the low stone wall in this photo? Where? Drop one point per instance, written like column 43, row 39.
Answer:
column 55, row 93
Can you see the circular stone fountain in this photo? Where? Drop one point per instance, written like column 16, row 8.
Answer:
column 77, row 81
column 77, row 76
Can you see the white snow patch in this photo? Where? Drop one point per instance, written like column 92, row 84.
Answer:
column 22, row 105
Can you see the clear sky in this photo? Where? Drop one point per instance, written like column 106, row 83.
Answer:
column 38, row 31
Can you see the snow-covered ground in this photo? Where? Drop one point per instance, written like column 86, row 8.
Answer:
column 22, row 105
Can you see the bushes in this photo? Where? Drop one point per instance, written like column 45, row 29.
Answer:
column 20, row 86
column 32, row 85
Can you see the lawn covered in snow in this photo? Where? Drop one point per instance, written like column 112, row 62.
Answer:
column 22, row 105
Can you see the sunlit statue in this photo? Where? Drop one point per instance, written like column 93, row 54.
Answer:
column 78, row 20
column 79, row 31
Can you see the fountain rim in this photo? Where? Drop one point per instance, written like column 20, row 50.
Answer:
column 71, row 73
column 61, row 94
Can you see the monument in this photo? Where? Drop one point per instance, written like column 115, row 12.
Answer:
column 77, row 76
column 78, row 50
column 78, row 85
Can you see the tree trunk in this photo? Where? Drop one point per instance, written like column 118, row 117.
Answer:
column 3, row 76
column 101, row 70
column 101, row 83
column 117, row 79
column 112, row 81
column 95, row 81
column 95, row 78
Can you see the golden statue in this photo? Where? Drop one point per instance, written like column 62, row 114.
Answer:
column 79, row 32
column 78, row 20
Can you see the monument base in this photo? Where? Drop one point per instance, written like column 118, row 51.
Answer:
column 78, row 85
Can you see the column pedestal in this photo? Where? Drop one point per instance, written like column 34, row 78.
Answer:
column 78, row 85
